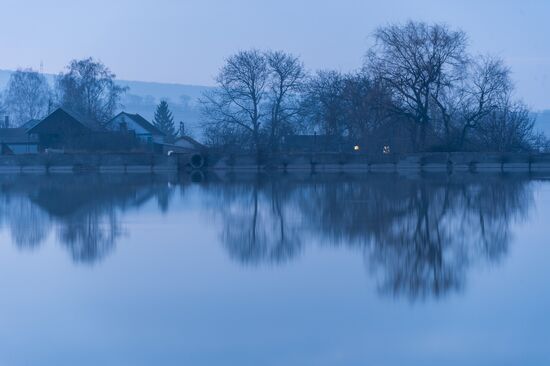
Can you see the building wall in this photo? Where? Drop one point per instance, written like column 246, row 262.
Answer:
column 23, row 148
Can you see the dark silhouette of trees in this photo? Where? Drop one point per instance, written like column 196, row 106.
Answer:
column 285, row 85
column 323, row 104
column 256, row 102
column 420, row 64
column 420, row 90
column 164, row 120
column 236, row 106
column 88, row 89
column 27, row 96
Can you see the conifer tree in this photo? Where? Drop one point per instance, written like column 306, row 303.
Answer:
column 164, row 120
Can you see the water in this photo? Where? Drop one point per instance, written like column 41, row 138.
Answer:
column 274, row 270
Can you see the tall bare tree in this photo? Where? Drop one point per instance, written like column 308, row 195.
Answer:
column 27, row 96
column 286, row 83
column 88, row 88
column 323, row 103
column 487, row 86
column 238, row 103
column 418, row 61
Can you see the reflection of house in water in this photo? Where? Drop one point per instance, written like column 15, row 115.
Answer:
column 419, row 237
column 84, row 209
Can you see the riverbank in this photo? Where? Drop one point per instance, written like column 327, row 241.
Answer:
column 337, row 162
column 74, row 163
column 311, row 163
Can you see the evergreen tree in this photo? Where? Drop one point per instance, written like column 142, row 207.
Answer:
column 164, row 120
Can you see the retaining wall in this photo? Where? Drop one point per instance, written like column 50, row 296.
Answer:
column 71, row 163
column 436, row 162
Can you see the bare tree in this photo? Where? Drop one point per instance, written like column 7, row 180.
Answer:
column 27, row 96
column 287, row 81
column 238, row 103
column 88, row 88
column 323, row 103
column 509, row 128
column 418, row 61
column 366, row 105
column 488, row 84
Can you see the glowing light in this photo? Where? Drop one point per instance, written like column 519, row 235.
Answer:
column 356, row 148
column 386, row 149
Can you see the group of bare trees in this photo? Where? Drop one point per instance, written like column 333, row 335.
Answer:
column 87, row 88
column 256, row 102
column 419, row 89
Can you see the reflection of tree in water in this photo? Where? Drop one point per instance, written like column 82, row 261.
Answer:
column 90, row 236
column 260, row 221
column 29, row 226
column 85, row 209
column 418, row 236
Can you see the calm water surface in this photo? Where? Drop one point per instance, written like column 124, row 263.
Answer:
column 281, row 270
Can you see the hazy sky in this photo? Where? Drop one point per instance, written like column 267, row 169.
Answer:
column 186, row 41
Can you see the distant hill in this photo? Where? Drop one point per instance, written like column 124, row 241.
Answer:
column 143, row 97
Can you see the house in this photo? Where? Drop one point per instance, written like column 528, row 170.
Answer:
column 144, row 130
column 15, row 141
column 63, row 130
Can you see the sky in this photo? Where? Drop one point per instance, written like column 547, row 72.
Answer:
column 186, row 41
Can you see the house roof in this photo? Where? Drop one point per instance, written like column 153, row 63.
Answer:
column 191, row 140
column 15, row 136
column 142, row 122
column 30, row 124
column 64, row 115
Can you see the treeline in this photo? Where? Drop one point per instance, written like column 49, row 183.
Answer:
column 87, row 88
column 420, row 89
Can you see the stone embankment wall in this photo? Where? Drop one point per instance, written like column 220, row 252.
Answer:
column 326, row 162
column 335, row 162
column 73, row 163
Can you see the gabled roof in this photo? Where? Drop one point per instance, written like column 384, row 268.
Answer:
column 64, row 115
column 30, row 124
column 191, row 140
column 142, row 122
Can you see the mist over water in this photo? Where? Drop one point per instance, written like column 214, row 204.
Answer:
column 273, row 269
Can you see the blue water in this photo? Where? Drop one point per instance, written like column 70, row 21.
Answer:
column 274, row 270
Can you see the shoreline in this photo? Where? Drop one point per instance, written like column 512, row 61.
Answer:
column 301, row 162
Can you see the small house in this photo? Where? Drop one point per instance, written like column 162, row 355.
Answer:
column 144, row 130
column 63, row 130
